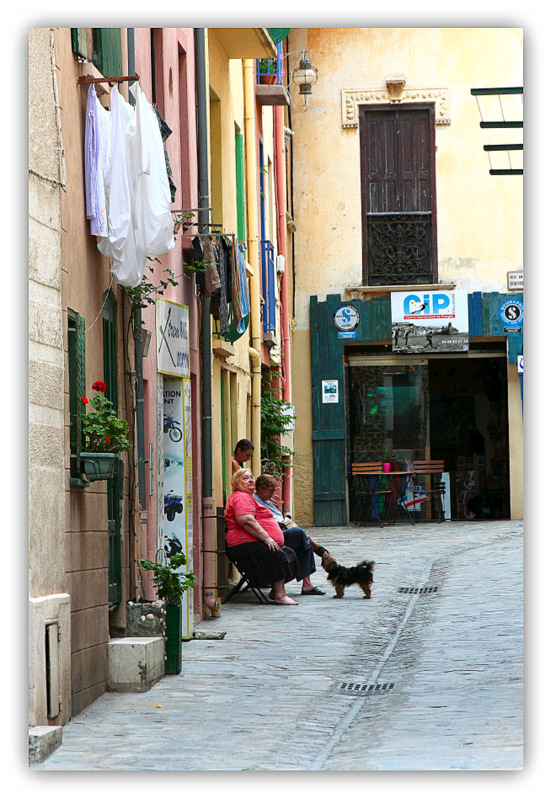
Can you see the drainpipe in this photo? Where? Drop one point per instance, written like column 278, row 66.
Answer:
column 209, row 544
column 253, row 255
column 279, row 146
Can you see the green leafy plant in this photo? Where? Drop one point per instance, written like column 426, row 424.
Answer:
column 276, row 418
column 387, row 455
column 103, row 431
column 170, row 583
column 267, row 66
column 143, row 295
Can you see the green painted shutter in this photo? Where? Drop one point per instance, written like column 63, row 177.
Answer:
column 107, row 51
column 328, row 422
column 114, row 485
column 240, row 188
column 78, row 41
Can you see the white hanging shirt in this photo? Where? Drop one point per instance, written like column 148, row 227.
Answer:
column 137, row 189
column 155, row 224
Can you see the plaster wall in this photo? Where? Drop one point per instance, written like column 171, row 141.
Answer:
column 85, row 277
column 479, row 216
column 48, row 598
column 175, row 98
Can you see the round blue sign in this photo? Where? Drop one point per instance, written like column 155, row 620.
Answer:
column 511, row 312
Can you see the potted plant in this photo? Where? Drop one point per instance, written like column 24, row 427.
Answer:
column 105, row 436
column 171, row 583
column 268, row 70
column 387, row 456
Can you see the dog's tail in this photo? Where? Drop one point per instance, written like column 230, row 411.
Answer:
column 368, row 564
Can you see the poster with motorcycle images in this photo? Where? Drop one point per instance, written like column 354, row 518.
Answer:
column 176, row 506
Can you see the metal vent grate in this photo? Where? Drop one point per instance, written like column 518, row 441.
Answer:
column 356, row 689
column 418, row 589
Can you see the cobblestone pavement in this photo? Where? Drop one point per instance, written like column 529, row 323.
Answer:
column 268, row 696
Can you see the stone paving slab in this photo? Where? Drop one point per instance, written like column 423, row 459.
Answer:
column 266, row 696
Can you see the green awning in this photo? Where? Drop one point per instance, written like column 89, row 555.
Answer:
column 278, row 34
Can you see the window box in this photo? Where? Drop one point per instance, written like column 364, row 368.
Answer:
column 99, row 466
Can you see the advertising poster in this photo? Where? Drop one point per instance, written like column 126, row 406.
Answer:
column 429, row 322
column 175, row 432
column 177, row 522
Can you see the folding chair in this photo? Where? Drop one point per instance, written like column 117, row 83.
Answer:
column 369, row 474
column 243, row 584
column 436, row 490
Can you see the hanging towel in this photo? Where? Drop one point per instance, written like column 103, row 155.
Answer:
column 139, row 220
column 120, row 244
column 240, row 295
column 154, row 222
column 212, row 278
column 97, row 148
column 165, row 133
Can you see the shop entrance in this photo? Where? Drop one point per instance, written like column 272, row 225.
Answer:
column 450, row 408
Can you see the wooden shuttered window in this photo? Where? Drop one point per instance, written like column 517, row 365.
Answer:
column 78, row 41
column 108, row 55
column 397, row 147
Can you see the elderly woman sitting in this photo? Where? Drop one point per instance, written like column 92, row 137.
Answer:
column 255, row 541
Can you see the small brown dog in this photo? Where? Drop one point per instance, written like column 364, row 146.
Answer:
column 362, row 575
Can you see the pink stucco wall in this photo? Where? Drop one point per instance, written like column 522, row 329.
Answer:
column 175, row 99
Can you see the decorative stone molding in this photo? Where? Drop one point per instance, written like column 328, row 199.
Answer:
column 395, row 93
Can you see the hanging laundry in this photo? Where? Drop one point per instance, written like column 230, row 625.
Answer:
column 225, row 272
column 165, row 133
column 139, row 221
column 154, row 222
column 120, row 244
column 240, row 294
column 97, row 151
column 212, row 278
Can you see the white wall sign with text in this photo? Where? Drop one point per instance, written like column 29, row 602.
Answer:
column 173, row 340
column 330, row 392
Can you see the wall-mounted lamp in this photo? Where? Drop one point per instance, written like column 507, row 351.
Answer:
column 304, row 76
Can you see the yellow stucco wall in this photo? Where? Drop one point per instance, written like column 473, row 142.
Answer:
column 479, row 216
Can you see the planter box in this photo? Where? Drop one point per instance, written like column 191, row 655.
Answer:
column 99, row 466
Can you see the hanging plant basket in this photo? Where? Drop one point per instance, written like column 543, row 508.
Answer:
column 99, row 466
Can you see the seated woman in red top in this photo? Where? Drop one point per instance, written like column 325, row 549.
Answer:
column 256, row 542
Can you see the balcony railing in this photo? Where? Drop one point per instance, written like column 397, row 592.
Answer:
column 272, row 67
column 268, row 287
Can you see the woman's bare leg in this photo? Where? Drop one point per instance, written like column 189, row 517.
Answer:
column 280, row 596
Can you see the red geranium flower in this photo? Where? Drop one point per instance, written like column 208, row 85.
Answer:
column 99, row 386
column 84, row 399
column 107, row 439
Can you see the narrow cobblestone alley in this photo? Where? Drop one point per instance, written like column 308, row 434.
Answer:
column 445, row 665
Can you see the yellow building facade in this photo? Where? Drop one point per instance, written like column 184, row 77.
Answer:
column 478, row 225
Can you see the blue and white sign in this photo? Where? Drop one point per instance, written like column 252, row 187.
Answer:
column 423, row 322
column 346, row 318
column 511, row 313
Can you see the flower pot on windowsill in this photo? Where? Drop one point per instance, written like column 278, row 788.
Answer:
column 268, row 80
column 387, row 466
column 99, row 466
